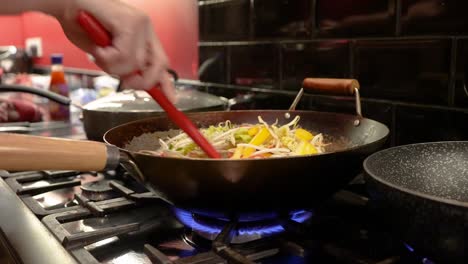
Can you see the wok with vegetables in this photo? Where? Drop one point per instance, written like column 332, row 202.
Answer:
column 261, row 140
column 273, row 160
column 275, row 163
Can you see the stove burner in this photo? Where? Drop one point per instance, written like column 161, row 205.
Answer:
column 247, row 231
column 98, row 190
column 420, row 259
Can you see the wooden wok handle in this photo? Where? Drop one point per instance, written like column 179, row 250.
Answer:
column 331, row 86
column 22, row 152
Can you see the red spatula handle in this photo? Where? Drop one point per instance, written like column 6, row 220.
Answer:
column 95, row 30
column 184, row 123
column 102, row 38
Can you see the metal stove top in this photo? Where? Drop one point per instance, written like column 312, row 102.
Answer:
column 110, row 218
column 88, row 217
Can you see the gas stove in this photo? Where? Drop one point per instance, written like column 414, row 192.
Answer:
column 88, row 217
column 108, row 217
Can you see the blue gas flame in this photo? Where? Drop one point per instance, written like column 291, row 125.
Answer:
column 186, row 218
column 411, row 249
column 269, row 228
column 301, row 216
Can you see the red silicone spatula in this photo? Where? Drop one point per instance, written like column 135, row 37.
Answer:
column 102, row 38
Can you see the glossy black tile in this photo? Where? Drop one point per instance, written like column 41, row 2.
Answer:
column 224, row 20
column 434, row 17
column 405, row 70
column 238, row 99
column 355, row 18
column 330, row 104
column 461, row 75
column 316, row 59
column 286, row 18
column 245, row 99
column 212, row 64
column 255, row 65
column 275, row 101
column 414, row 125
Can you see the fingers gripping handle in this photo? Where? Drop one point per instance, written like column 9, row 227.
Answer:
column 94, row 29
column 102, row 38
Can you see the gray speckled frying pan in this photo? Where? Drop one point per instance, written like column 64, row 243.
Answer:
column 421, row 191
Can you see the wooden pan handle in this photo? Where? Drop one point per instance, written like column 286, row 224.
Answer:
column 21, row 153
column 331, row 86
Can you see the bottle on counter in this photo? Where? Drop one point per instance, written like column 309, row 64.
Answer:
column 58, row 85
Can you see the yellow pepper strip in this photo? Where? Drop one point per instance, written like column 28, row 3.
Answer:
column 310, row 149
column 237, row 153
column 259, row 138
column 305, row 148
column 303, row 134
column 252, row 131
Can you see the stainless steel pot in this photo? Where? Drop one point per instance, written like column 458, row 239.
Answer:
column 128, row 105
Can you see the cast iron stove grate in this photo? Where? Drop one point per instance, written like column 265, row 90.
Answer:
column 51, row 192
column 135, row 226
column 341, row 235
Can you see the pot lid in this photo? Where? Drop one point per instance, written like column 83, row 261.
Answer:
column 141, row 101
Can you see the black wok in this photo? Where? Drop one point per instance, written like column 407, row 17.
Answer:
column 280, row 184
column 421, row 192
column 233, row 185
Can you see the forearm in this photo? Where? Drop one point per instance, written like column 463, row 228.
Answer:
column 52, row 7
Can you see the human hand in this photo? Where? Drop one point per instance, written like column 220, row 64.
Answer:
column 135, row 45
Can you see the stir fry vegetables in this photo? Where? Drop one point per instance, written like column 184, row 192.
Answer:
column 243, row 141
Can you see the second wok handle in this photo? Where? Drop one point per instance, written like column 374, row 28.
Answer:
column 331, row 86
column 24, row 152
column 337, row 87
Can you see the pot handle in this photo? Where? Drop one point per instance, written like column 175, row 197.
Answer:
column 336, row 87
column 24, row 153
column 331, row 86
column 47, row 94
column 240, row 99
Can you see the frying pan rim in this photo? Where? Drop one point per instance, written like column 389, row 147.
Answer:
column 383, row 137
column 409, row 191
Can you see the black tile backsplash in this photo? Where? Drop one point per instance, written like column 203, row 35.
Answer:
column 212, row 66
column 406, row 70
column 355, row 18
column 286, row 18
column 417, row 124
column 224, row 20
column 461, row 75
column 434, row 17
column 410, row 56
column 255, row 65
column 316, row 59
